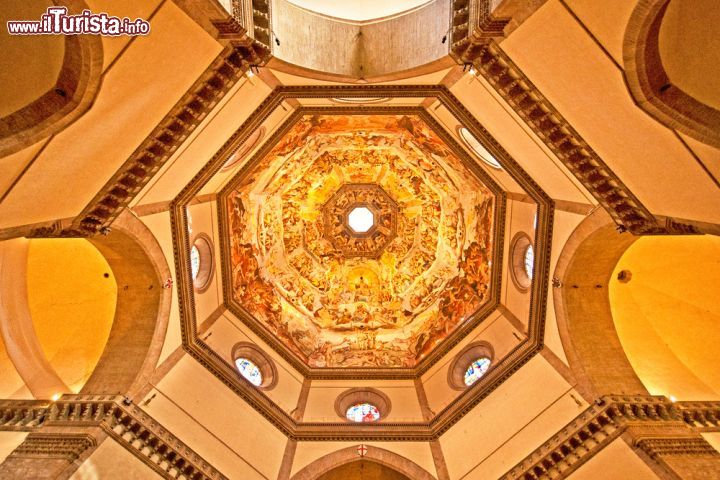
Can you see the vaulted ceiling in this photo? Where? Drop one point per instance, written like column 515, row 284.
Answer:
column 270, row 165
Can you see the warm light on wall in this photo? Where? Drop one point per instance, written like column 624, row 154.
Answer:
column 56, row 397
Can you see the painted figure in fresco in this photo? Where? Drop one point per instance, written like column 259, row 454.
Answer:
column 428, row 279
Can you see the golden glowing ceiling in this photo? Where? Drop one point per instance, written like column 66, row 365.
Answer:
column 379, row 295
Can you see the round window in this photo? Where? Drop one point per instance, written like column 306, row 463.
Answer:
column 194, row 261
column 477, row 148
column 362, row 405
column 470, row 365
column 249, row 370
column 522, row 261
column 201, row 262
column 476, row 370
column 244, row 149
column 363, row 412
column 529, row 261
column 255, row 365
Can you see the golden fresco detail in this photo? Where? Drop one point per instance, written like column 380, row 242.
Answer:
column 337, row 230
column 341, row 298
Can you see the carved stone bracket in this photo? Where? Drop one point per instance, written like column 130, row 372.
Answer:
column 696, row 446
column 126, row 423
column 610, row 417
column 480, row 49
column 194, row 106
column 473, row 25
column 20, row 415
column 555, row 131
column 54, row 445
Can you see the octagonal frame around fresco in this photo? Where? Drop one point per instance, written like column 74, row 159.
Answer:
column 445, row 345
column 350, row 207
column 432, row 429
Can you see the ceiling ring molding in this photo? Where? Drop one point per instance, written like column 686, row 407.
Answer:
column 406, row 431
column 452, row 339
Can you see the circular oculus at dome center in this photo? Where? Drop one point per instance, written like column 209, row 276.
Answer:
column 360, row 219
column 360, row 240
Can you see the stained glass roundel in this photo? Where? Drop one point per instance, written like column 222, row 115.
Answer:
column 194, row 261
column 529, row 261
column 476, row 370
column 249, row 370
column 363, row 412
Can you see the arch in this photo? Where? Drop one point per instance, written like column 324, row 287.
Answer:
column 651, row 87
column 582, row 309
column 375, row 454
column 363, row 470
column 143, row 308
column 74, row 91
column 141, row 313
column 16, row 327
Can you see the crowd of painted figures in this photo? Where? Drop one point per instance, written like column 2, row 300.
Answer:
column 292, row 273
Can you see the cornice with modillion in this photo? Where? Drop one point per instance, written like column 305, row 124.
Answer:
column 464, row 402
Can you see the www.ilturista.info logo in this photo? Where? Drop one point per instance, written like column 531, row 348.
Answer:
column 57, row 22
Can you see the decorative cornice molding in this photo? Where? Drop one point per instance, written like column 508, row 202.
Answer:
column 564, row 141
column 157, row 148
column 610, row 417
column 125, row 422
column 573, row 445
column 419, row 431
column 67, row 446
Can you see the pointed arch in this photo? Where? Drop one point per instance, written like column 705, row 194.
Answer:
column 374, row 454
column 651, row 87
column 143, row 308
column 75, row 89
column 582, row 308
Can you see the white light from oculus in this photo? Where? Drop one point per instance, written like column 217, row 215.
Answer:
column 478, row 148
column 361, row 219
column 529, row 261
